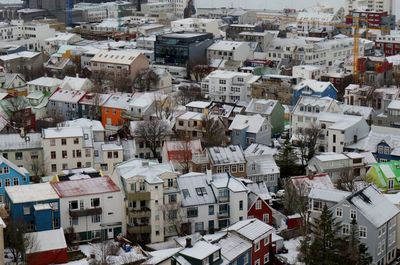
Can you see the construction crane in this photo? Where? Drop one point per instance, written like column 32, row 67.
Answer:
column 356, row 48
column 68, row 9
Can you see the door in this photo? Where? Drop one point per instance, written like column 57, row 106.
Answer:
column 110, row 233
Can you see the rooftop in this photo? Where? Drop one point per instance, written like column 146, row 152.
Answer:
column 83, row 187
column 252, row 229
column 47, row 240
column 116, row 56
column 226, row 155
column 62, row 132
column 31, row 193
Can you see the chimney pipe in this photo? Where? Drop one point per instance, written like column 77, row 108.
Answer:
column 188, row 242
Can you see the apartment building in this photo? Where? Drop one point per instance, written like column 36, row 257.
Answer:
column 229, row 87
column 230, row 51
column 376, row 5
column 92, row 207
column 228, row 159
column 63, row 104
column 67, row 147
column 151, row 199
column 197, row 25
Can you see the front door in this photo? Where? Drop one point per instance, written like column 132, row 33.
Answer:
column 110, row 233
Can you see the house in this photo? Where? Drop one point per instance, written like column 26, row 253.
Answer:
column 228, row 86
column 199, row 253
column 76, row 83
column 67, row 147
column 272, row 110
column 228, row 159
column 142, row 106
column 151, row 199
column 185, row 155
column 64, row 104
column 11, row 175
column 36, row 204
column 376, row 220
column 211, row 202
column 49, row 247
column 119, row 63
column 91, row 104
column 13, row 84
column 92, row 207
column 106, row 156
column 23, row 150
column 258, row 202
column 395, row 200
column 198, row 106
column 246, row 130
column 382, row 142
column 21, row 117
column 227, row 50
column 319, row 197
column 197, row 25
column 385, row 175
column 313, row 88
column 28, row 63
column 190, row 124
column 259, row 234
column 234, row 249
column 113, row 109
column 304, row 184
column 390, row 116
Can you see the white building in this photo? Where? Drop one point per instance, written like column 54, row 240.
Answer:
column 93, row 207
column 376, row 5
column 96, row 12
column 307, row 72
column 229, row 86
column 52, row 44
column 197, row 25
column 316, row 22
column 229, row 50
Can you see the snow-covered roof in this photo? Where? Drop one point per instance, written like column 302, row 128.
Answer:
column 233, row 246
column 232, row 154
column 331, row 195
column 326, row 157
column 259, row 149
column 83, row 187
column 190, row 115
column 47, row 241
column 68, row 96
column 156, row 257
column 23, row 54
column 198, row 104
column 340, row 121
column 111, row 147
column 261, row 165
column 200, row 250
column 261, row 106
column 119, row 101
column 225, row 45
column 376, row 135
column 116, row 56
column 394, row 104
column 62, row 132
column 188, row 184
column 224, row 180
column 31, row 193
column 373, row 205
column 94, row 125
column 20, row 170
column 252, row 124
column 322, row 181
column 75, row 83
column 260, row 189
column 45, row 81
column 252, row 229
column 14, row 141
column 315, row 85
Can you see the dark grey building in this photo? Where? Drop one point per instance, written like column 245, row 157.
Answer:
column 183, row 48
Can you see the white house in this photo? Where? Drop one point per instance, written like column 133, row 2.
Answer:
column 92, row 207
column 197, row 25
column 229, row 50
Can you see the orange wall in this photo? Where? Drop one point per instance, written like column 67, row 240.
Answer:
column 111, row 113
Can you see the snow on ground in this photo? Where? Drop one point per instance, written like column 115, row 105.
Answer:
column 292, row 246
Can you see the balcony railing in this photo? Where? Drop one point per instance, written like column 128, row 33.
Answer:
column 139, row 229
column 223, row 198
column 85, row 212
column 222, row 215
column 140, row 213
column 139, row 196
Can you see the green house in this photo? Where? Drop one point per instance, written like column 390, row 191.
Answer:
column 386, row 175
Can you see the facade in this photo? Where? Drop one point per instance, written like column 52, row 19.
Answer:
column 229, row 50
column 182, row 49
column 39, row 91
column 313, row 88
column 197, row 25
column 389, row 44
column 227, row 86
column 92, row 207
column 63, row 103
column 390, row 116
column 385, row 175
column 11, row 175
column 377, row 5
column 36, row 204
column 228, row 159
column 246, row 130
column 26, row 62
column 113, row 109
column 372, row 19
column 258, row 203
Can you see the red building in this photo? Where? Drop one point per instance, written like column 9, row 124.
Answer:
column 259, row 234
column 50, row 247
column 372, row 19
column 388, row 44
column 259, row 208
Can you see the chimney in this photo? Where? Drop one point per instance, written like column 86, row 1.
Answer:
column 209, row 176
column 188, row 242
column 145, row 163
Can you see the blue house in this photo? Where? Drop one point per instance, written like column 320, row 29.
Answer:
column 11, row 175
column 313, row 88
column 246, row 130
column 35, row 204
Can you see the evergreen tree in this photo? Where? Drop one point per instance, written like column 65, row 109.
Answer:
column 286, row 159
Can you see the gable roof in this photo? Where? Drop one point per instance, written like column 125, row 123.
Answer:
column 252, row 124
column 373, row 205
column 262, row 106
column 252, row 229
column 10, row 164
column 331, row 195
column 47, row 241
column 226, row 155
column 83, row 187
column 187, row 185
column 314, row 85
column 116, row 56
column 200, row 250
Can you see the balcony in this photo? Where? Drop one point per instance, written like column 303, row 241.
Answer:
column 223, row 215
column 140, row 213
column 223, row 198
column 139, row 196
column 139, row 229
column 85, row 212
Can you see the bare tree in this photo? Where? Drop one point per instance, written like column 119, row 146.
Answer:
column 153, row 132
column 164, row 105
column 102, row 251
column 15, row 109
column 146, row 80
column 213, row 132
column 37, row 167
column 307, row 142
column 189, row 93
column 347, row 181
column 174, row 217
column 200, row 71
column 18, row 241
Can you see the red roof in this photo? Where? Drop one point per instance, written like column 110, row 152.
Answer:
column 83, row 187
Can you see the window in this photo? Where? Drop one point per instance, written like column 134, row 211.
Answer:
column 172, row 198
column 198, row 227
column 53, row 168
column 52, row 142
column 185, row 193
column 266, row 258
column 16, row 182
column 240, row 205
column 6, row 170
column 317, row 205
column 339, row 212
column 334, row 138
column 27, row 210
column 73, row 221
column 233, row 168
column 353, row 214
column 8, row 182
column 266, row 218
column 211, row 210
column 53, row 155
column 216, row 256
column 192, row 212
column 257, row 247
column 170, row 182
column 96, row 218
column 391, row 184
column 201, row 191
column 246, row 260
column 95, row 202
column 87, row 152
column 258, row 204
column 63, row 141
column 76, row 141
column 18, row 155
column 346, row 229
column 363, row 231
column 381, row 231
column 64, row 154
column 73, row 205
column 241, row 167
column 392, row 223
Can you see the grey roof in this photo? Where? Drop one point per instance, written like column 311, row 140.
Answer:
column 224, row 180
column 252, row 124
column 373, row 205
column 233, row 246
column 259, row 149
column 190, row 182
column 16, row 142
column 260, row 189
column 226, row 155
column 20, row 170
column 200, row 250
column 261, row 106
column 331, row 195
column 252, row 229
